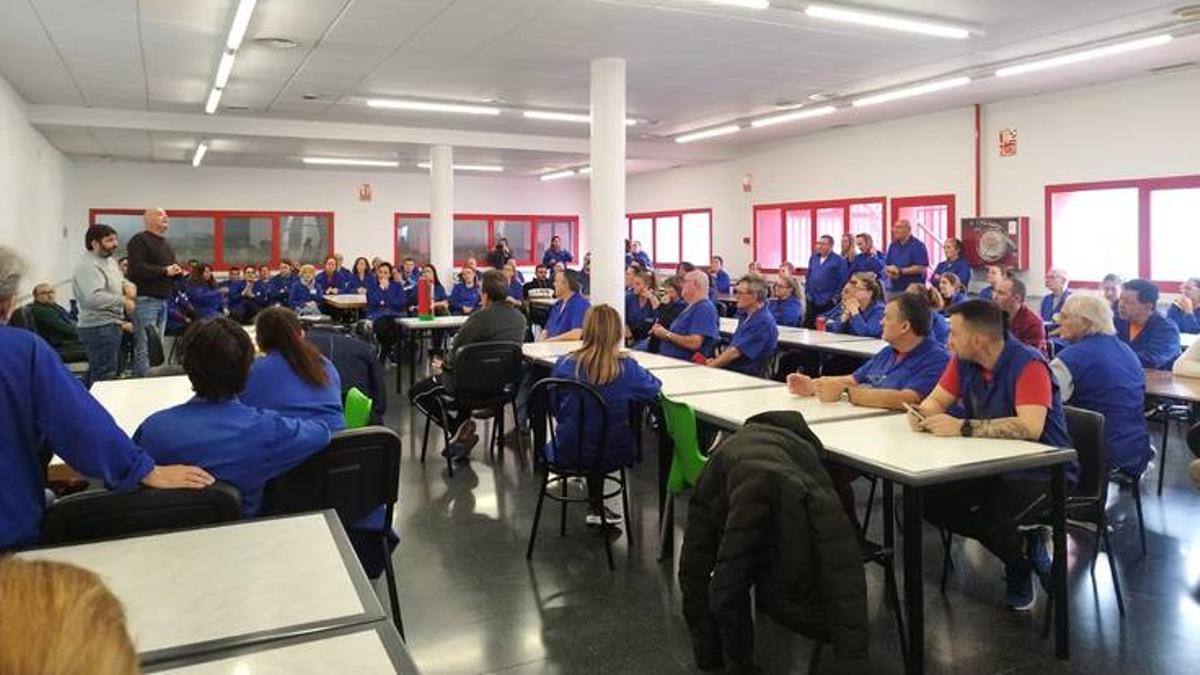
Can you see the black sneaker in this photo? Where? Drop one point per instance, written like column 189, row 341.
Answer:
column 1019, row 593
column 1037, row 548
column 610, row 518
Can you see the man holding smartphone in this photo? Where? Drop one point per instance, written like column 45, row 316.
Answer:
column 1005, row 390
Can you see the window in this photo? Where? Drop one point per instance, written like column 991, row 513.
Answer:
column 932, row 221
column 1134, row 228
column 224, row 238
column 672, row 237
column 476, row 234
column 787, row 232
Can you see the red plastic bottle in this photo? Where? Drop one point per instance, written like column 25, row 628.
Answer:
column 820, row 323
column 424, row 291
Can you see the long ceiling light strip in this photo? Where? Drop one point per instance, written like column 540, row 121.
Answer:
column 909, row 92
column 1085, row 55
column 906, row 24
column 565, row 173
column 488, row 168
column 744, row 4
column 708, row 133
column 200, row 152
column 241, row 21
column 342, row 161
column 430, row 106
column 237, row 33
column 793, row 116
column 553, row 116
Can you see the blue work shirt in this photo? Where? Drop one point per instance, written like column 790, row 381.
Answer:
column 275, row 386
column 639, row 316
column 386, row 302
column 867, row 323
column 237, row 444
column 1050, row 307
column 207, row 302
column 42, row 403
column 234, row 289
column 825, row 278
column 699, row 318
column 567, row 315
column 950, row 302
column 787, row 312
column 262, row 292
column 868, row 263
column 987, row 291
column 1186, row 323
column 918, row 370
column 1157, row 346
column 906, row 254
column 756, row 338
column 516, row 290
column 640, row 257
column 340, row 283
column 355, row 284
column 721, row 280
column 634, row 383
column 300, row 295
column 939, row 328
column 464, row 297
column 551, row 257
column 959, row 267
column 281, row 286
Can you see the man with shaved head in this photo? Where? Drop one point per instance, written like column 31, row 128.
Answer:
column 152, row 268
column 697, row 329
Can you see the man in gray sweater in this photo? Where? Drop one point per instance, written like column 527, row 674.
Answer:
column 104, row 298
column 498, row 321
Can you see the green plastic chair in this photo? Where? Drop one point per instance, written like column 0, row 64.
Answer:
column 358, row 409
column 687, row 462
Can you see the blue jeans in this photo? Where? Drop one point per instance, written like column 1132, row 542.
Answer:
column 149, row 312
column 103, row 347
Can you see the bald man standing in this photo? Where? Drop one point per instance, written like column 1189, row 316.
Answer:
column 152, row 268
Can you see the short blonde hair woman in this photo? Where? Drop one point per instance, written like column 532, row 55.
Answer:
column 620, row 381
column 57, row 619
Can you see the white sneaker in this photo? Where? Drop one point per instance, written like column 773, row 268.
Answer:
column 610, row 518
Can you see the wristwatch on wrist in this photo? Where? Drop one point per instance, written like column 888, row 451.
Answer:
column 967, row 430
column 845, row 397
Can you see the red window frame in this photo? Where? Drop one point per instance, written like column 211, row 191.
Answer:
column 219, row 216
column 491, row 219
column 813, row 207
column 652, row 250
column 1144, row 187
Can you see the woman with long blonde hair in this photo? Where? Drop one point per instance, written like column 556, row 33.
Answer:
column 619, row 380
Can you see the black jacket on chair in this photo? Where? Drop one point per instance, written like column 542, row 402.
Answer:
column 764, row 514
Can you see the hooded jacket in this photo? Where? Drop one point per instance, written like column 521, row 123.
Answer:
column 764, row 514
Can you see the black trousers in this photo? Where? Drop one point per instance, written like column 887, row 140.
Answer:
column 987, row 510
column 387, row 332
column 455, row 416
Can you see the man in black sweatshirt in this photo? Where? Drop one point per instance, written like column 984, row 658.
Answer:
column 152, row 268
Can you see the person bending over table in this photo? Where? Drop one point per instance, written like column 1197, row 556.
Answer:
column 292, row 378
column 827, row 275
column 464, row 298
column 1023, row 323
column 904, row 371
column 1153, row 338
column 620, row 381
column 496, row 321
column 44, row 409
column 356, row 362
column 1005, row 390
column 697, row 329
column 756, row 337
column 1099, row 372
column 565, row 322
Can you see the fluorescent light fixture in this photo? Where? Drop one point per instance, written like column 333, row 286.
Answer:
column 241, row 21
column 224, row 69
column 491, row 168
column 583, row 171
column 1086, row 55
column 793, row 116
column 339, row 161
column 891, row 21
column 428, row 106
column 708, row 133
column 565, row 117
column 557, row 175
column 199, row 156
column 214, row 98
column 908, row 92
column 745, row 4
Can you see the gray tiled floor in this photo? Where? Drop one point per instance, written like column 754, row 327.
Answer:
column 473, row 604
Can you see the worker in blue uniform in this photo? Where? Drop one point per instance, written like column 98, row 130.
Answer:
column 1184, row 311
column 304, row 296
column 565, row 321
column 756, row 338
column 827, row 274
column 1152, row 337
column 907, row 259
column 721, row 280
column 465, row 296
column 786, row 306
column 1056, row 294
column 332, row 280
column 44, row 410
column 641, row 306
column 861, row 310
column 869, row 259
column 292, row 377
column 697, row 329
column 556, row 254
column 281, row 283
column 954, row 262
column 203, row 295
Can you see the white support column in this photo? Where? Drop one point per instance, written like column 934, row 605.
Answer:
column 608, row 228
column 441, row 211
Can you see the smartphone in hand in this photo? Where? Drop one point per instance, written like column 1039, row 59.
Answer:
column 913, row 412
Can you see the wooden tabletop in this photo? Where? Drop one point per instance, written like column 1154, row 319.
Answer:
column 1164, row 383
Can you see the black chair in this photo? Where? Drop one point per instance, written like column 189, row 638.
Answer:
column 22, row 317
column 154, row 347
column 356, row 474
column 1165, row 412
column 100, row 514
column 569, row 462
column 487, row 377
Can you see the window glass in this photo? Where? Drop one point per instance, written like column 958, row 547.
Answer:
column 867, row 217
column 931, row 226
column 666, row 240
column 642, row 230
column 768, row 238
column 412, row 239
column 548, row 228
column 126, row 226
column 470, row 240
column 696, row 235
column 1174, row 228
column 192, row 238
column 304, row 238
column 520, row 238
column 247, row 240
column 830, row 221
column 1108, row 216
column 799, row 236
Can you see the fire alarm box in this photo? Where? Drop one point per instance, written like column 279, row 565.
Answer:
column 996, row 241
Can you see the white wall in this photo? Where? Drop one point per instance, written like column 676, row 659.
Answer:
column 1135, row 128
column 360, row 228
column 32, row 179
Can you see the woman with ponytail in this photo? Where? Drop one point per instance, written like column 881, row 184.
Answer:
column 292, row 377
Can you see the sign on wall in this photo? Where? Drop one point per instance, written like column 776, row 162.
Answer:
column 365, row 192
column 1008, row 142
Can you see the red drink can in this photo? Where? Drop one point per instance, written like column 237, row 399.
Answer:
column 820, row 323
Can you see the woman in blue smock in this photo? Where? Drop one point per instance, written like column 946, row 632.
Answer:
column 465, row 298
column 293, row 378
column 386, row 300
column 206, row 300
column 951, row 288
column 786, row 306
column 620, row 382
column 861, row 310
column 304, row 295
column 954, row 264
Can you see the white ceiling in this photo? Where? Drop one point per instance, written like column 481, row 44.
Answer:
column 689, row 65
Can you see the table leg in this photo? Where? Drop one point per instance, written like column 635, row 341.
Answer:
column 914, row 579
column 414, row 342
column 1062, row 624
column 1162, row 458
